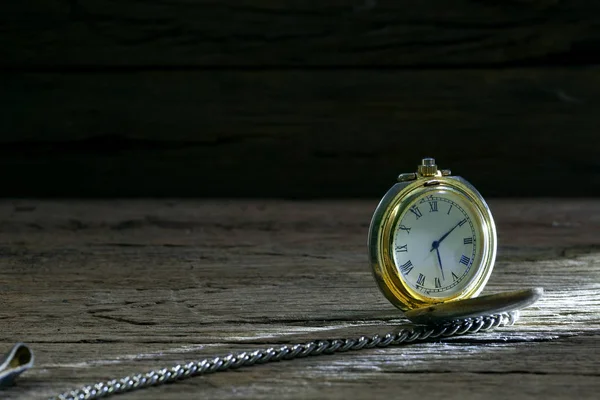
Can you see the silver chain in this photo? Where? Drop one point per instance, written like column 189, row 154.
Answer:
column 286, row 352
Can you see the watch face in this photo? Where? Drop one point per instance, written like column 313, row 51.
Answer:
column 437, row 244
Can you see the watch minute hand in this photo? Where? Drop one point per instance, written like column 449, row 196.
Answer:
column 437, row 243
column 450, row 231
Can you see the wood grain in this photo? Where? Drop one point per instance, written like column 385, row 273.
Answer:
column 131, row 34
column 297, row 134
column 256, row 98
column 107, row 288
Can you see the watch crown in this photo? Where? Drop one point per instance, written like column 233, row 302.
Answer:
column 428, row 167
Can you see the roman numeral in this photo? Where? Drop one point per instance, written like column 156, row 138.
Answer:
column 402, row 249
column 405, row 228
column 464, row 260
column 468, row 240
column 448, row 213
column 415, row 210
column 437, row 283
column 421, row 280
column 406, row 267
column 433, row 206
column 454, row 277
column 461, row 223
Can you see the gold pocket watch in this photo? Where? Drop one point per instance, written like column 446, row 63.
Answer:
column 432, row 239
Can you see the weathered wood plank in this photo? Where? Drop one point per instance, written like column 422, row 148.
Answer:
column 102, row 33
column 297, row 133
column 106, row 288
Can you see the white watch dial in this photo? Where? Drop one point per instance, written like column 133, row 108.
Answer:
column 437, row 244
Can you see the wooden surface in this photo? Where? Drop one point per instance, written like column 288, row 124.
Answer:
column 298, row 99
column 92, row 34
column 297, row 134
column 101, row 289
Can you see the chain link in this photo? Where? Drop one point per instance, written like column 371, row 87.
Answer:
column 286, row 352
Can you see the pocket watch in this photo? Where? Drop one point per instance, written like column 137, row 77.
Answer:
column 432, row 239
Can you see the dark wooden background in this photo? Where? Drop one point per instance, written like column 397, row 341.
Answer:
column 297, row 98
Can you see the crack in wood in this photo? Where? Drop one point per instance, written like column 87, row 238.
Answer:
column 125, row 320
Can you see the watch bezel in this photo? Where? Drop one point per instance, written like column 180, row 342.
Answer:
column 393, row 205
